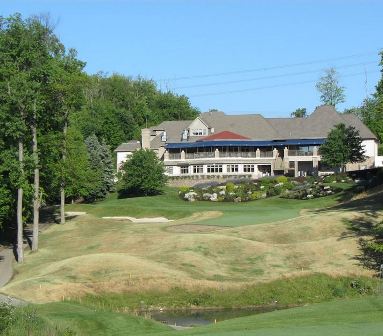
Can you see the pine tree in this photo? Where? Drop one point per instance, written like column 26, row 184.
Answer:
column 101, row 162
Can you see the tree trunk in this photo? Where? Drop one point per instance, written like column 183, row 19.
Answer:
column 36, row 184
column 62, row 188
column 20, row 243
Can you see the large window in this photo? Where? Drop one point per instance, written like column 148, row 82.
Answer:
column 232, row 168
column 248, row 168
column 198, row 169
column 215, row 168
column 184, row 169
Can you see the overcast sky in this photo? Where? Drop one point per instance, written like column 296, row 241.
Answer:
column 237, row 56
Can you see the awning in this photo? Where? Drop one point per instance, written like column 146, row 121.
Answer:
column 246, row 143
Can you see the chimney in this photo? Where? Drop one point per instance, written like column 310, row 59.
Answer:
column 145, row 135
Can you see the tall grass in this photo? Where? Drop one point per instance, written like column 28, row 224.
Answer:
column 283, row 292
column 26, row 321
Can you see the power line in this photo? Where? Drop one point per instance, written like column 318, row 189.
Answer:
column 268, row 68
column 269, row 77
column 271, row 86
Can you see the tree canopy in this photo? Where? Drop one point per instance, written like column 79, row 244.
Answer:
column 61, row 125
column 142, row 175
column 299, row 113
column 343, row 145
column 328, row 86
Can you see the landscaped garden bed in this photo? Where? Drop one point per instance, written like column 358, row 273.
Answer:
column 245, row 191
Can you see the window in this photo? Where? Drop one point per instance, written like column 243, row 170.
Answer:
column 198, row 132
column 232, row 168
column 198, row 169
column 292, row 164
column 185, row 170
column 169, row 170
column 215, row 168
column 248, row 168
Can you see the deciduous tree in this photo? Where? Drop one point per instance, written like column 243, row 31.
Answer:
column 328, row 86
column 142, row 175
column 299, row 113
column 343, row 145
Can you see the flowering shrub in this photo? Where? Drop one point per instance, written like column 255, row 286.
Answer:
column 309, row 191
column 238, row 192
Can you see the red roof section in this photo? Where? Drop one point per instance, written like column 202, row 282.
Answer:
column 225, row 135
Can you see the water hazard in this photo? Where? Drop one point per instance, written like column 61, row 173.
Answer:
column 192, row 318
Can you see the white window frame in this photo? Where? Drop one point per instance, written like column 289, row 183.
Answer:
column 170, row 170
column 199, row 132
column 198, row 169
column 232, row 168
column 184, row 170
column 214, row 168
column 248, row 168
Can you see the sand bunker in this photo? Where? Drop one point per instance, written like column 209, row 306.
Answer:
column 140, row 220
column 74, row 213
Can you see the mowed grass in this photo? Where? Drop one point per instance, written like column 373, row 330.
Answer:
column 215, row 246
column 171, row 206
column 353, row 317
column 341, row 318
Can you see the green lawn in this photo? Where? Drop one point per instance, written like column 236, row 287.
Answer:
column 341, row 318
column 234, row 214
column 337, row 318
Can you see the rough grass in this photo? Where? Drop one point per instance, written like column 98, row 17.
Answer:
column 282, row 292
column 211, row 248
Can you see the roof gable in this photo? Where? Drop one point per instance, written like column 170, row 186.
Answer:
column 225, row 135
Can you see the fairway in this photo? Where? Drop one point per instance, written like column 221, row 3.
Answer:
column 215, row 246
column 234, row 214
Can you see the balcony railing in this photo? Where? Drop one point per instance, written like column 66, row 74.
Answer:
column 237, row 154
column 266, row 154
column 293, row 152
column 174, row 156
column 199, row 155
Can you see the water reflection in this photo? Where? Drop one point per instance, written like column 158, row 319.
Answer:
column 191, row 318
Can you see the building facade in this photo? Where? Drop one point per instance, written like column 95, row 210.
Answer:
column 217, row 144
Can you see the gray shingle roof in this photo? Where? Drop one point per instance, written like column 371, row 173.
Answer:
column 256, row 127
column 173, row 129
column 130, row 146
column 253, row 126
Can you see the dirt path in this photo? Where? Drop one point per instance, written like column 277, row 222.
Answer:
column 6, row 269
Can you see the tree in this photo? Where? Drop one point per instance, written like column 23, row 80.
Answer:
column 118, row 107
column 142, row 175
column 80, row 178
column 371, row 115
column 328, row 86
column 299, row 113
column 101, row 163
column 343, row 145
column 66, row 91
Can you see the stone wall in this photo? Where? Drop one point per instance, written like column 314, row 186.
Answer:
column 190, row 181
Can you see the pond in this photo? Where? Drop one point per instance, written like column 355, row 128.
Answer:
column 192, row 318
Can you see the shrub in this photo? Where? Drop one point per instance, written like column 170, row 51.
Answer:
column 281, row 179
column 230, row 186
column 142, row 175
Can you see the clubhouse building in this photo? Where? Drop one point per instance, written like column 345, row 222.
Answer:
column 248, row 145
